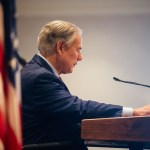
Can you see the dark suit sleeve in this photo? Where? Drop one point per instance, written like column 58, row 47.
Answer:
column 52, row 99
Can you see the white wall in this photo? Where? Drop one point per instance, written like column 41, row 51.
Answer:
column 116, row 42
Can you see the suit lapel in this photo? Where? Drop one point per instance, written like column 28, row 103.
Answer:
column 44, row 64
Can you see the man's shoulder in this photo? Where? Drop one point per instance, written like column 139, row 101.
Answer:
column 33, row 69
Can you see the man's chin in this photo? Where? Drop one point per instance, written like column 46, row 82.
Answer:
column 69, row 71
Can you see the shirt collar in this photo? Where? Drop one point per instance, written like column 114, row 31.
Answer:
column 53, row 68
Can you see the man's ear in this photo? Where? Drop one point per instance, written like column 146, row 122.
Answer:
column 60, row 47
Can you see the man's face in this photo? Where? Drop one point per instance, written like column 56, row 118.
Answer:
column 71, row 55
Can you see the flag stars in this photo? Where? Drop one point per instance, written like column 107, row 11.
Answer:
column 13, row 63
column 15, row 40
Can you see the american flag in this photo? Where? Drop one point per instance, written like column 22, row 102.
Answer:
column 2, row 100
column 10, row 102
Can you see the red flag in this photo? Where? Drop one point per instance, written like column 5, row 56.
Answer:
column 2, row 100
column 12, row 138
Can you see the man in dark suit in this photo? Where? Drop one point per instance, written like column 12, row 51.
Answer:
column 50, row 112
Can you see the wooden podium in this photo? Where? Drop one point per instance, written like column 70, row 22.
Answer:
column 119, row 132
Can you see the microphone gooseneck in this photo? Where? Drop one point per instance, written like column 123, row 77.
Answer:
column 116, row 79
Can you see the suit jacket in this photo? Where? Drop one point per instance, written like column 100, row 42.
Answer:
column 50, row 111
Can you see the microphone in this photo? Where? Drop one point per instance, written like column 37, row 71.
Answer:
column 116, row 79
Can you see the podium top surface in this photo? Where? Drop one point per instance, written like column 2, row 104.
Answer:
column 128, row 129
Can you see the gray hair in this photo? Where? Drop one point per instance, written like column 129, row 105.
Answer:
column 56, row 31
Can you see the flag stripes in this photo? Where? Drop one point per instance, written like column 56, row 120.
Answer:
column 10, row 106
column 2, row 100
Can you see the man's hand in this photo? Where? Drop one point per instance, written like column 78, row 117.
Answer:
column 142, row 111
